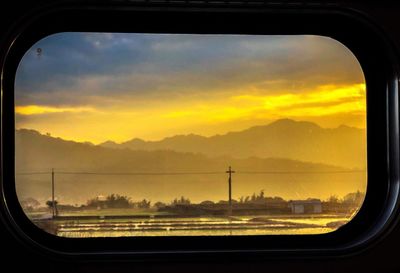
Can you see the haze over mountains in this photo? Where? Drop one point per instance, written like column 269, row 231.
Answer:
column 258, row 149
column 306, row 141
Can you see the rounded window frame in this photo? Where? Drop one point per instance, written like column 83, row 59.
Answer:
column 381, row 75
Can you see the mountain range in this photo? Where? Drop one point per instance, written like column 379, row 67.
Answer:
column 298, row 140
column 36, row 152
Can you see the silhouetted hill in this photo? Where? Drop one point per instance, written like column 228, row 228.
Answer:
column 285, row 138
column 36, row 152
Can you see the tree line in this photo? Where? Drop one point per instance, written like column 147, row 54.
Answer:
column 122, row 201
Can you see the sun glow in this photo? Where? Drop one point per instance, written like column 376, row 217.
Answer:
column 214, row 115
column 39, row 109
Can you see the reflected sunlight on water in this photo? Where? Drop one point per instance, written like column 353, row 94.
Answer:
column 212, row 226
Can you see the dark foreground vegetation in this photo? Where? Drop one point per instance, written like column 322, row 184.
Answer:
column 246, row 205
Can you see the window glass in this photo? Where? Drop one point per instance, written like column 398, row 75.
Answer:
column 123, row 134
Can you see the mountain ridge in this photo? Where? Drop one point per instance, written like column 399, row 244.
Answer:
column 285, row 138
column 36, row 152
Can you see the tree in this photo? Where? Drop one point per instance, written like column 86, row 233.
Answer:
column 117, row 201
column 333, row 199
column 144, row 204
column 52, row 205
column 253, row 198
column 30, row 204
column 111, row 201
column 207, row 203
column 185, row 201
column 159, row 205
column 49, row 203
column 278, row 199
column 354, row 198
column 181, row 201
column 94, row 202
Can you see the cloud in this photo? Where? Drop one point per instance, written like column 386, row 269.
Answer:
column 325, row 100
column 327, row 105
column 38, row 110
column 168, row 65
column 151, row 86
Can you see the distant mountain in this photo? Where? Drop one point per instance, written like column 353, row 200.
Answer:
column 40, row 153
column 342, row 146
column 35, row 151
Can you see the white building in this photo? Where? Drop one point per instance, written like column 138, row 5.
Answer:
column 305, row 206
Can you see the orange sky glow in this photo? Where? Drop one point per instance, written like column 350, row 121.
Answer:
column 170, row 85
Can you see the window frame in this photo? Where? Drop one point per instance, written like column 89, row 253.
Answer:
column 367, row 42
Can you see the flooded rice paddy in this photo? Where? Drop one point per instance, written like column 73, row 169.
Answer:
column 194, row 226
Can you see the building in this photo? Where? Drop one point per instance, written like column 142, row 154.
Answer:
column 305, row 206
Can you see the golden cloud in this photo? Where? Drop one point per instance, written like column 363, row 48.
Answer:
column 39, row 109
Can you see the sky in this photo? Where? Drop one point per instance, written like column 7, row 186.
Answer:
column 101, row 86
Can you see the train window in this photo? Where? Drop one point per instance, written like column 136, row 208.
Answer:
column 135, row 134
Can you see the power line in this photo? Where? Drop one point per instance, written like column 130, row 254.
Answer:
column 141, row 173
column 300, row 172
column 32, row 173
column 192, row 173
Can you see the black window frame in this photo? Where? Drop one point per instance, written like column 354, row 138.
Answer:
column 357, row 32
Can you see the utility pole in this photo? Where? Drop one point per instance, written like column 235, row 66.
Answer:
column 53, row 205
column 229, row 171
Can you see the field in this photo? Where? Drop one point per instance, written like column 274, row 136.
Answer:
column 123, row 222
